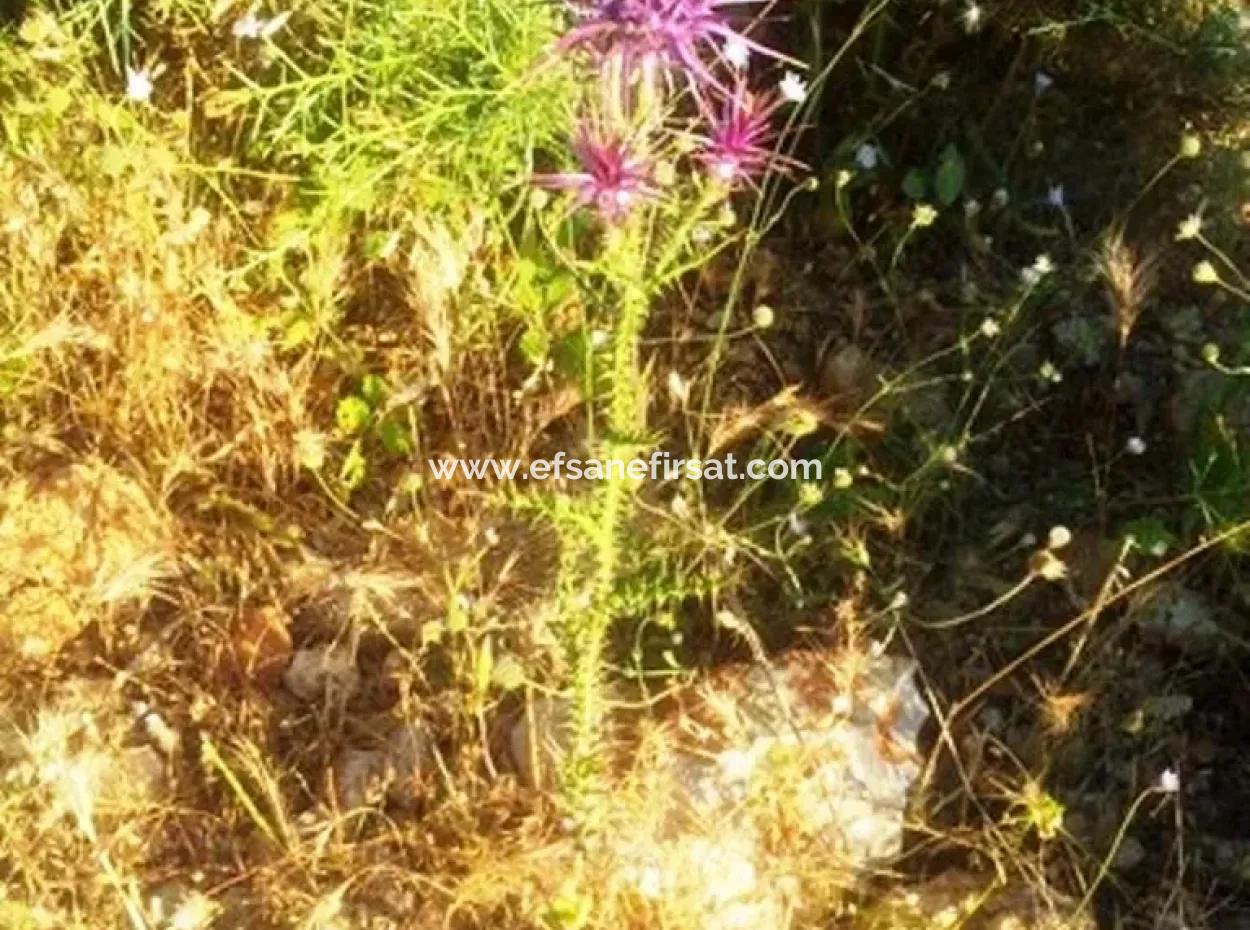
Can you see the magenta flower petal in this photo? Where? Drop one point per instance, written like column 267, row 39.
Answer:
column 612, row 179
column 740, row 145
column 677, row 32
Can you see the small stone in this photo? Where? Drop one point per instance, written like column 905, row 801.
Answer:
column 360, row 778
column 411, row 764
column 848, row 373
column 327, row 672
column 399, row 772
column 536, row 747
column 1181, row 617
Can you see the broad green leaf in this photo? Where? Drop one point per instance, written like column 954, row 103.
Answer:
column 916, row 184
column 394, row 438
column 373, row 390
column 535, row 346
column 352, row 414
column 951, row 175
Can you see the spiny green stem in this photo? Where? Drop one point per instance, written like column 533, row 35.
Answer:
column 625, row 423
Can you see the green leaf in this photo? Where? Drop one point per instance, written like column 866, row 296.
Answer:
column 951, row 175
column 571, row 354
column 373, row 389
column 916, row 184
column 353, row 414
column 381, row 244
column 394, row 439
column 298, row 332
column 535, row 346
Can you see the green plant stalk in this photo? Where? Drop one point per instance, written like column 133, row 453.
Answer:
column 626, row 421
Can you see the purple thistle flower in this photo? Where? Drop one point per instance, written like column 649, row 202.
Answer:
column 613, row 177
column 676, row 32
column 739, row 146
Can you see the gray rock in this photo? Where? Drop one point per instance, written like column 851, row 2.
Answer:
column 326, row 672
column 400, row 772
column 1181, row 617
column 538, row 740
column 767, row 774
column 970, row 902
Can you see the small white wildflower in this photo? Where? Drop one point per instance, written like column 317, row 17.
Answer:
column 972, row 207
column 678, row 388
column 599, row 338
column 763, row 316
column 844, row 178
column 796, row 525
column 867, row 156
column 942, row 80
column 793, row 87
column 679, row 507
column 737, row 52
column 1000, row 198
column 249, row 26
column 899, row 601
column 194, row 913
column 1205, row 273
column 923, row 215
column 1189, row 228
column 973, row 17
column 949, row 455
column 1135, row 446
column 1058, row 537
column 1042, row 266
column 491, row 535
column 1170, row 781
column 876, row 649
column 253, row 27
column 1055, row 197
column 990, row 328
column 162, row 735
column 1042, row 82
column 139, row 84
column 1159, row 549
column 1028, row 540
column 702, row 235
